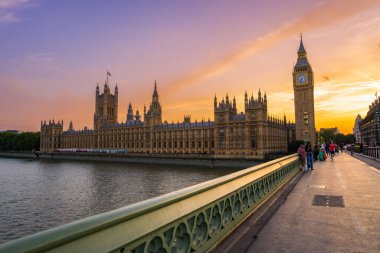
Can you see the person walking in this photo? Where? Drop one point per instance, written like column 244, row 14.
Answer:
column 309, row 156
column 315, row 152
column 327, row 149
column 302, row 155
column 332, row 148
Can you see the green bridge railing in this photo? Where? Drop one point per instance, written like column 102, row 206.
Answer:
column 194, row 219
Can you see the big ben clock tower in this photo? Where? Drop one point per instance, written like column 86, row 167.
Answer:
column 303, row 86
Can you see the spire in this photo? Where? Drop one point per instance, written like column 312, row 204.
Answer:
column 301, row 49
column 116, row 90
column 245, row 99
column 155, row 86
column 259, row 95
column 265, row 97
column 137, row 115
column 215, row 101
column 97, row 88
column 155, row 93
column 130, row 112
column 71, row 128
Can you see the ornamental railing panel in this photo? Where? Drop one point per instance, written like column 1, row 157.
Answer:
column 372, row 152
column 193, row 219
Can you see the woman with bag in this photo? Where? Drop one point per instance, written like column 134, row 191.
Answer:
column 309, row 154
column 302, row 155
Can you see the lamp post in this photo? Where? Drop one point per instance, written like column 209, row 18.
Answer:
column 377, row 128
column 306, row 122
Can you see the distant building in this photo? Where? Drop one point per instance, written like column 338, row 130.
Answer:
column 10, row 131
column 303, row 86
column 356, row 129
column 334, row 130
column 370, row 125
column 251, row 133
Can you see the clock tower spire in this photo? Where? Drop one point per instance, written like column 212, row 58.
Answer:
column 303, row 86
column 301, row 50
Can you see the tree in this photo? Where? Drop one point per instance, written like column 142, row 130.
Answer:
column 293, row 146
column 328, row 134
column 332, row 134
column 27, row 141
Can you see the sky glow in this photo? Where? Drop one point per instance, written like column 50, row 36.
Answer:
column 54, row 52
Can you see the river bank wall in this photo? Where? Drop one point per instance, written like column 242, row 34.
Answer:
column 192, row 160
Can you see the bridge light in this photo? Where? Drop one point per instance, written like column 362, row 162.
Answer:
column 305, row 118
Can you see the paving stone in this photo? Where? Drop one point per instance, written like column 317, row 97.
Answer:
column 300, row 226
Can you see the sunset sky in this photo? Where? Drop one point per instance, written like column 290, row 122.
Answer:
column 54, row 52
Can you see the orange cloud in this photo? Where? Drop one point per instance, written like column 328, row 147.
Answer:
column 336, row 104
column 322, row 15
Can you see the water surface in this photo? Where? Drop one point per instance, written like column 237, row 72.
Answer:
column 39, row 194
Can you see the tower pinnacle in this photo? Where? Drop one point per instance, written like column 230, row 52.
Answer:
column 301, row 49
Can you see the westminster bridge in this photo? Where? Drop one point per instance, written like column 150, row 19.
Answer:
column 271, row 207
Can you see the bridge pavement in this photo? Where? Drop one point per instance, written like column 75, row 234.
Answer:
column 300, row 226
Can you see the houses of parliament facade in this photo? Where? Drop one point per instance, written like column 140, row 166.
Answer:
column 250, row 134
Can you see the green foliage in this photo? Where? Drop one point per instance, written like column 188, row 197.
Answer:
column 350, row 138
column 339, row 138
column 293, row 146
column 327, row 134
column 330, row 134
column 27, row 141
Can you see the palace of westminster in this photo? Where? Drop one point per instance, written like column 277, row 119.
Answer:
column 249, row 134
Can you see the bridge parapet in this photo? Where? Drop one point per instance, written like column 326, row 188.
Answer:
column 194, row 219
column 372, row 152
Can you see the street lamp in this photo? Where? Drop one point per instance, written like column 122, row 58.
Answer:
column 306, row 122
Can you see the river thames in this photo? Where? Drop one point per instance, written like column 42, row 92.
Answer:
column 39, row 194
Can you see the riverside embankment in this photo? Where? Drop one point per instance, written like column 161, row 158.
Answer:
column 193, row 160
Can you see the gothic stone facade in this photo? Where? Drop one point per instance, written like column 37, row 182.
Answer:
column 251, row 133
column 369, row 127
column 356, row 129
column 303, row 85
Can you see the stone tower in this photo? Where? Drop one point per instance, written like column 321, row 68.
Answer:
column 153, row 116
column 130, row 113
column 51, row 134
column 223, row 113
column 303, row 86
column 105, row 106
column 256, row 113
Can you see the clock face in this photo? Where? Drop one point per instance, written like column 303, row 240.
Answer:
column 301, row 78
